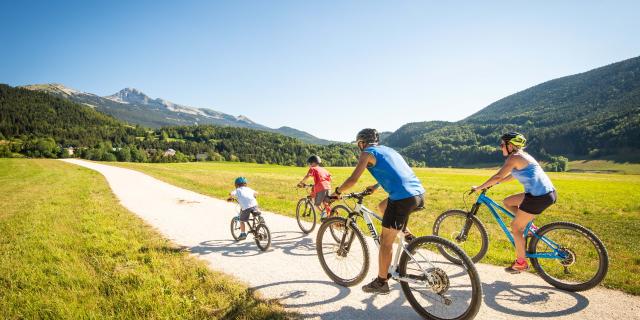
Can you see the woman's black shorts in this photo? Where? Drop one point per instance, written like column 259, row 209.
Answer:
column 537, row 204
column 397, row 213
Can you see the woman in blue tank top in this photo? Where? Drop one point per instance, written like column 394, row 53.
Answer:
column 406, row 194
column 538, row 194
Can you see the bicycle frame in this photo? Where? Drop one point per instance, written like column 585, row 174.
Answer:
column 361, row 210
column 252, row 222
column 483, row 199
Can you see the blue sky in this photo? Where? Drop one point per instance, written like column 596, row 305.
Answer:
column 327, row 67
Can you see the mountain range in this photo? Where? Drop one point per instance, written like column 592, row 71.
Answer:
column 133, row 106
column 594, row 114
column 590, row 115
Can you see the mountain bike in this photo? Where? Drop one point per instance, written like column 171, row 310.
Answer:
column 255, row 226
column 566, row 255
column 306, row 211
column 435, row 287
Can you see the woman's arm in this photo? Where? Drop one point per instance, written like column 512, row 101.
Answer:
column 507, row 178
column 363, row 162
column 503, row 173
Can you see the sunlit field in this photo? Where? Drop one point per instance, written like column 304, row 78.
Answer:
column 609, row 204
column 68, row 250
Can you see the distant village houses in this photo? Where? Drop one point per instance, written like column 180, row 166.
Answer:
column 169, row 153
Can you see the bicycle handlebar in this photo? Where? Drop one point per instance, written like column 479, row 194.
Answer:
column 353, row 195
column 305, row 185
column 483, row 191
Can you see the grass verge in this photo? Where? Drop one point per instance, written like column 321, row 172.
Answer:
column 69, row 251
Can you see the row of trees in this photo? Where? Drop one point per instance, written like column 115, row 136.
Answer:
column 36, row 124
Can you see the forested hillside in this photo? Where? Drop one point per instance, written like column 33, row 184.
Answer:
column 39, row 124
column 134, row 107
column 591, row 115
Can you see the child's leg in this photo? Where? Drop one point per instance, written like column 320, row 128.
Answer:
column 242, row 226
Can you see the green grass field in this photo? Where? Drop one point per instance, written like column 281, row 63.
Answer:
column 69, row 251
column 604, row 166
column 609, row 204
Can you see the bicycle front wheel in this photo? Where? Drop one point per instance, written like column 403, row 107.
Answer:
column 475, row 241
column 235, row 228
column 346, row 261
column 335, row 229
column 306, row 215
column 585, row 259
column 437, row 288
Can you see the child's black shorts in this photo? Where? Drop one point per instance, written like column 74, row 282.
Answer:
column 244, row 214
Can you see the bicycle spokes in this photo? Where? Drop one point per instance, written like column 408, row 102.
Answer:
column 576, row 260
column 441, row 288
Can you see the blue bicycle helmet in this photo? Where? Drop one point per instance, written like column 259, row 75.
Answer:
column 240, row 180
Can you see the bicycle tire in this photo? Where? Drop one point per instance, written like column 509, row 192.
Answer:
column 335, row 212
column 304, row 202
column 357, row 234
column 603, row 255
column 235, row 228
column 258, row 237
column 484, row 246
column 466, row 262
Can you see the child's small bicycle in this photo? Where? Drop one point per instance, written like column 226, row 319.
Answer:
column 306, row 211
column 256, row 226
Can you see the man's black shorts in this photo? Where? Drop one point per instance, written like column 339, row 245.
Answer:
column 397, row 213
column 536, row 204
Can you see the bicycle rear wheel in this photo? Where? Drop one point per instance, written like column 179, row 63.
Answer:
column 306, row 215
column 450, row 225
column 585, row 262
column 263, row 237
column 346, row 262
column 440, row 289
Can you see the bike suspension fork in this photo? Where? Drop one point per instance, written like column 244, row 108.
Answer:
column 468, row 222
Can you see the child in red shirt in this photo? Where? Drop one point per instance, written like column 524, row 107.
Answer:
column 321, row 184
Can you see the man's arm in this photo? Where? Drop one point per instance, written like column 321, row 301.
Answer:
column 365, row 159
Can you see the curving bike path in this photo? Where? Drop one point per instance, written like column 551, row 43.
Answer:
column 290, row 272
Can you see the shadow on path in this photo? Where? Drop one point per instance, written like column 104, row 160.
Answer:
column 299, row 299
column 531, row 301
column 290, row 242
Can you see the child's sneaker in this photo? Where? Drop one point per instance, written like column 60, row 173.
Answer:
column 517, row 267
column 242, row 236
column 323, row 215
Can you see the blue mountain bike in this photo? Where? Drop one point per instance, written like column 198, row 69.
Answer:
column 566, row 255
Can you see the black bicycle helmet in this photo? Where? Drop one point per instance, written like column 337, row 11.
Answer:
column 314, row 159
column 368, row 136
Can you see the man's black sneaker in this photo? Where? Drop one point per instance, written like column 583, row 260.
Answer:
column 377, row 286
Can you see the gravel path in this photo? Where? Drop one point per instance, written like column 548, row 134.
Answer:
column 290, row 271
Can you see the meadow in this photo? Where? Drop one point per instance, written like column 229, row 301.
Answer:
column 69, row 251
column 608, row 204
